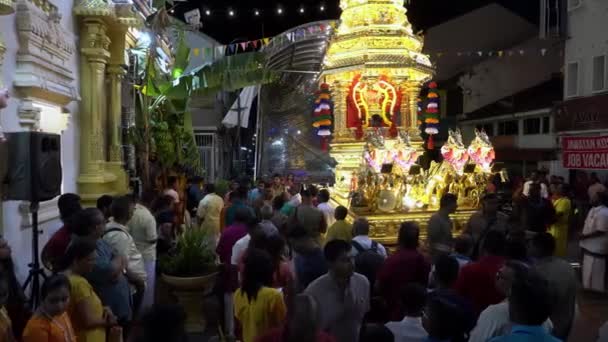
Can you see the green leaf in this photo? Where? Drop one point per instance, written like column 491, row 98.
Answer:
column 182, row 56
column 158, row 4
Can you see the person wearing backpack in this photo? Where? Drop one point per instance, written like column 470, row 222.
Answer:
column 369, row 255
column 118, row 236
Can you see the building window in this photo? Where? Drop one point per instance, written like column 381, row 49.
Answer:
column 572, row 82
column 508, row 128
column 488, row 128
column 599, row 73
column 206, row 143
column 546, row 125
column 574, row 4
column 532, row 126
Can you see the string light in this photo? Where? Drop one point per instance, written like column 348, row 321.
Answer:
column 258, row 12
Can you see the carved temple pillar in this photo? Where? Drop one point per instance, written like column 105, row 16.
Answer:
column 413, row 92
column 339, row 93
column 94, row 57
column 103, row 27
column 116, row 73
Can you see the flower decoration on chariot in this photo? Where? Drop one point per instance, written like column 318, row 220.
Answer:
column 454, row 152
column 481, row 151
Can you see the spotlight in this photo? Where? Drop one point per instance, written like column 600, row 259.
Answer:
column 322, row 8
column 301, row 9
column 279, row 10
column 257, row 13
column 207, row 12
column 231, row 13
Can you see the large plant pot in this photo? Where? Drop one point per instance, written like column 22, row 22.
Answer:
column 190, row 293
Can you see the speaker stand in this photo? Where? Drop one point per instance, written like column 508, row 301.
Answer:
column 36, row 272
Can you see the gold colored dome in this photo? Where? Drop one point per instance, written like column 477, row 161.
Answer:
column 376, row 34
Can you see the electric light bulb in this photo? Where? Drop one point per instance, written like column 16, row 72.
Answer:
column 257, row 13
column 322, row 8
column 207, row 12
column 301, row 9
column 280, row 11
column 231, row 13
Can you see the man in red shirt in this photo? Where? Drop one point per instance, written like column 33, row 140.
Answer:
column 402, row 268
column 55, row 248
column 477, row 280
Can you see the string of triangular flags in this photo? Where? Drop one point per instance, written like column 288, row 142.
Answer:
column 292, row 36
column 500, row 53
column 302, row 33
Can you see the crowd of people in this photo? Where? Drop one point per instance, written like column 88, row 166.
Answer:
column 296, row 269
column 501, row 279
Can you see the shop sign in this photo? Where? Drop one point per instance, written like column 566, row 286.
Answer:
column 585, row 152
column 587, row 113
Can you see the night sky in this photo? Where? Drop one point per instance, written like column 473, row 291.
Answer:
column 244, row 25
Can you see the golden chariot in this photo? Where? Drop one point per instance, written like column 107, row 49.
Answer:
column 376, row 69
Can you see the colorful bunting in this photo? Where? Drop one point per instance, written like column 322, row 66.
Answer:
column 316, row 29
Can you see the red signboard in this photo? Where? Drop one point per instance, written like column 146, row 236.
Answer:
column 585, row 152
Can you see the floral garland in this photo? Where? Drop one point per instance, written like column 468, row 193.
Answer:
column 431, row 119
column 323, row 114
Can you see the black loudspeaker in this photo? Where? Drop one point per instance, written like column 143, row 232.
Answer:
column 34, row 166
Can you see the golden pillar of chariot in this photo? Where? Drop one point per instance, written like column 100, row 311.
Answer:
column 376, row 69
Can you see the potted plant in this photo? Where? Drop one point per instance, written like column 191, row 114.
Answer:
column 191, row 272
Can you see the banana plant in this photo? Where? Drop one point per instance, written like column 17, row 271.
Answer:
column 163, row 128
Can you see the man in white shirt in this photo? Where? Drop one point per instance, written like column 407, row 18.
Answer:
column 328, row 210
column 544, row 192
column 594, row 243
column 142, row 227
column 118, row 236
column 361, row 233
column 495, row 320
column 242, row 244
column 342, row 294
column 410, row 329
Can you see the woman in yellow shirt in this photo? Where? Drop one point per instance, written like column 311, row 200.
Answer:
column 559, row 229
column 51, row 323
column 90, row 318
column 258, row 307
